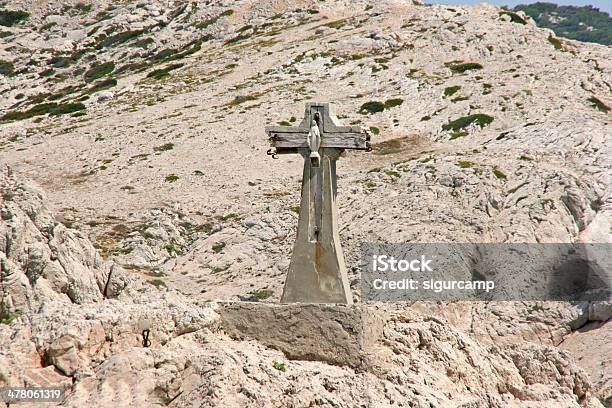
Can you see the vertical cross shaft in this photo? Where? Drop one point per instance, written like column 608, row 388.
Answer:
column 317, row 273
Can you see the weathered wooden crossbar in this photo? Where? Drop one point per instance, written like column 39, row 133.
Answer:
column 291, row 140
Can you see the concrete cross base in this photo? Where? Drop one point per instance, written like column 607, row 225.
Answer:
column 317, row 273
column 337, row 334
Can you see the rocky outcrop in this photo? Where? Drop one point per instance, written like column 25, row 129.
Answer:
column 41, row 259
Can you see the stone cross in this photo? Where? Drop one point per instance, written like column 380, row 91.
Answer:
column 317, row 273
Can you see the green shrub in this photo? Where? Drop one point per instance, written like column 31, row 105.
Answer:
column 99, row 70
column 46, row 73
column 173, row 249
column 464, row 164
column 458, row 134
column 337, row 24
column 237, row 38
column 6, row 68
column 392, row 173
column 218, row 247
column 498, row 173
column 51, row 108
column 280, row 366
column 391, row 103
column 65, row 108
column 204, row 24
column 118, row 38
column 425, row 118
column 171, row 178
column 263, row 294
column 374, row 130
column 481, row 119
column 244, row 98
column 83, row 8
column 102, row 85
column 164, row 72
column 375, row 106
column 598, row 104
column 158, row 283
column 229, row 216
column 164, row 147
column 459, row 68
column 9, row 18
column 372, row 107
column 555, row 42
column 451, row 90
column 8, row 319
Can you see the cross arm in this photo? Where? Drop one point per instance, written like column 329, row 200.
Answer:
column 289, row 142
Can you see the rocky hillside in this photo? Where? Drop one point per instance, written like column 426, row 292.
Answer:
column 143, row 122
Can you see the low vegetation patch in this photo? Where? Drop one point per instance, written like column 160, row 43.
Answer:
column 555, row 42
column 6, row 68
column 158, row 283
column 598, row 104
column 164, row 72
column 99, row 70
column 51, row 108
column 118, row 39
column 9, row 18
column 460, row 98
column 206, row 23
column 460, row 68
column 338, row 24
column 263, row 294
column 464, row 164
column 65, row 108
column 102, row 85
column 375, row 106
column 391, row 103
column 218, row 247
column 451, row 90
column 372, row 107
column 8, row 319
column 458, row 134
column 244, row 98
column 481, row 119
column 499, row 174
column 171, row 178
column 173, row 54
column 280, row 366
column 164, row 147
column 392, row 173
